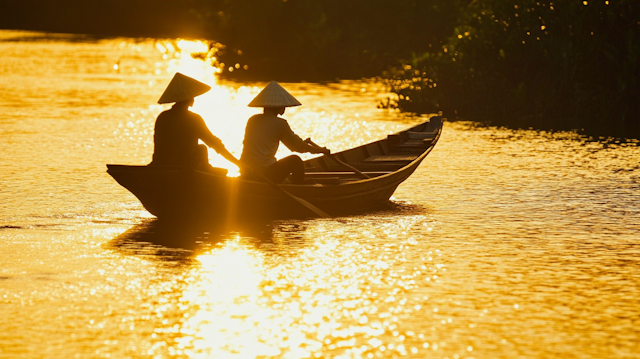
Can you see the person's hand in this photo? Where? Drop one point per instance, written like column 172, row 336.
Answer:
column 322, row 150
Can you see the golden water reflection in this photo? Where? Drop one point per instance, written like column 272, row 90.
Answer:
column 520, row 244
column 307, row 297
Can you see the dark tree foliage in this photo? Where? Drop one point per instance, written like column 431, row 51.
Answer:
column 527, row 63
column 137, row 18
column 574, row 64
column 324, row 39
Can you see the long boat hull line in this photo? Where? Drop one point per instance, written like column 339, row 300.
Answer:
column 332, row 186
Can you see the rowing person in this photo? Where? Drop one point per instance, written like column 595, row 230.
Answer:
column 178, row 130
column 263, row 135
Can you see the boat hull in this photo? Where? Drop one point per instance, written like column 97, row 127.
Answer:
column 180, row 193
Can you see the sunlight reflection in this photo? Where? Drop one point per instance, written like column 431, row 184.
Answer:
column 225, row 290
column 191, row 46
column 521, row 243
column 224, row 109
column 325, row 298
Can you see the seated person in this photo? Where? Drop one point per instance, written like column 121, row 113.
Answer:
column 263, row 135
column 178, row 130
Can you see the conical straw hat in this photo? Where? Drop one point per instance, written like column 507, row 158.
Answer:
column 274, row 95
column 183, row 88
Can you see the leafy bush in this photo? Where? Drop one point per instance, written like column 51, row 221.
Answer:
column 567, row 65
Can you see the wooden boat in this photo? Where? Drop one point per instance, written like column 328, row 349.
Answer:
column 334, row 188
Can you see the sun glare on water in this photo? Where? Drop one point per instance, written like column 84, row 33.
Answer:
column 224, row 295
column 323, row 298
column 502, row 244
column 223, row 108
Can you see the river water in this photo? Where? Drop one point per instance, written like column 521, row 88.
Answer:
column 503, row 244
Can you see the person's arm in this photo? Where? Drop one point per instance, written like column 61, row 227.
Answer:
column 214, row 142
column 219, row 147
column 295, row 143
column 322, row 150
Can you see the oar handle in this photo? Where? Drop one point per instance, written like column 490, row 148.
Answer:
column 335, row 158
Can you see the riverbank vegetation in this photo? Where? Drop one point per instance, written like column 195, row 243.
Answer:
column 573, row 64
column 324, row 40
column 528, row 63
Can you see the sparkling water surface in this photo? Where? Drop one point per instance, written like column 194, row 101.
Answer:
column 503, row 244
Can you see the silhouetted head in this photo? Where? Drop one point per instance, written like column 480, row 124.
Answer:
column 277, row 111
column 184, row 104
column 183, row 88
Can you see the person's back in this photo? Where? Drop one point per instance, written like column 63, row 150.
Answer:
column 176, row 137
column 178, row 130
column 262, row 138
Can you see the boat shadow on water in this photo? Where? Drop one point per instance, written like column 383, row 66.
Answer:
column 181, row 240
column 174, row 240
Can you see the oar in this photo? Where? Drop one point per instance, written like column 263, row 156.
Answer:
column 335, row 158
column 311, row 207
column 231, row 158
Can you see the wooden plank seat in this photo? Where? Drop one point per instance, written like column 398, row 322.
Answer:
column 422, row 135
column 344, row 173
column 411, row 141
column 336, row 178
column 415, row 143
column 391, row 158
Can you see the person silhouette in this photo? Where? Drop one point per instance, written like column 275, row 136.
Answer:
column 178, row 130
column 263, row 135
